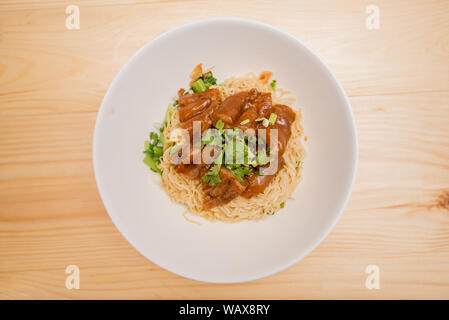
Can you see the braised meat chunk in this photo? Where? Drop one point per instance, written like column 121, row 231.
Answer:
column 258, row 182
column 228, row 189
column 285, row 116
column 198, row 107
column 191, row 105
column 230, row 109
column 192, row 170
column 257, row 106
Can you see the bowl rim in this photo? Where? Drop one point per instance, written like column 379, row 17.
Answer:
column 348, row 110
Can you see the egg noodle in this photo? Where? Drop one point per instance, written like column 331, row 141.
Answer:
column 189, row 192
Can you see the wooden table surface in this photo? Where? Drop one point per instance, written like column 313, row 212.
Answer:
column 52, row 81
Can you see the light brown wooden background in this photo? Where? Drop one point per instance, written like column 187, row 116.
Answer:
column 52, row 81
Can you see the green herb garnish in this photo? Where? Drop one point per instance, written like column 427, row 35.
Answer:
column 208, row 79
column 244, row 122
column 152, row 163
column 212, row 177
column 199, row 86
column 153, row 151
column 239, row 171
column 273, row 84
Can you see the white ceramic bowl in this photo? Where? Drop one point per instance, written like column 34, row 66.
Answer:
column 222, row 252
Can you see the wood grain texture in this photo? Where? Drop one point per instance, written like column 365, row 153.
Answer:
column 52, row 81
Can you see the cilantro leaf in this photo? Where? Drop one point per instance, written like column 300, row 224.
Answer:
column 239, row 171
column 212, row 177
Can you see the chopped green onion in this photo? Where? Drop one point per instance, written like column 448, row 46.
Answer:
column 282, row 205
column 219, row 125
column 199, row 86
column 149, row 161
column 174, row 150
column 273, row 84
column 154, row 149
column 209, row 80
column 259, row 119
column 272, row 119
column 244, row 122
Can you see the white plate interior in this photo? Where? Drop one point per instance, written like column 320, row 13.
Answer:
column 221, row 252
